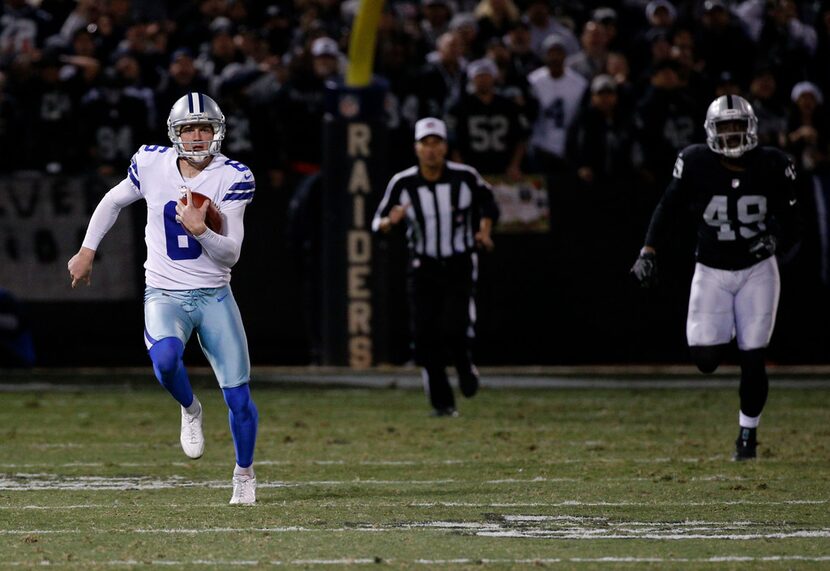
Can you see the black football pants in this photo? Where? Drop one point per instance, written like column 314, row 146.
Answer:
column 443, row 316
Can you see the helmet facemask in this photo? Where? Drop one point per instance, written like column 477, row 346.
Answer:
column 185, row 148
column 731, row 126
column 724, row 138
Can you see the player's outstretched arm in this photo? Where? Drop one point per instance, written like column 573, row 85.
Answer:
column 105, row 215
column 80, row 266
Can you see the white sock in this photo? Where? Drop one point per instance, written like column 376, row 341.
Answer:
column 748, row 421
column 194, row 407
column 240, row 471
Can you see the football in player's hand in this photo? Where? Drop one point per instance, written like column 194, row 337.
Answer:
column 213, row 218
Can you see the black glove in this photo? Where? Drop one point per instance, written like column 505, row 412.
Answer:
column 763, row 247
column 645, row 269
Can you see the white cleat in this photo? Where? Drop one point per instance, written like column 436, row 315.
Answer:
column 244, row 489
column 192, row 438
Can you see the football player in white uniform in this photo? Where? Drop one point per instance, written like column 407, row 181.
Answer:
column 743, row 198
column 188, row 269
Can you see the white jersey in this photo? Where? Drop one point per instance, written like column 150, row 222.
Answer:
column 559, row 101
column 176, row 260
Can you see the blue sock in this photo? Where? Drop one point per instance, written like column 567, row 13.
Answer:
column 166, row 355
column 243, row 418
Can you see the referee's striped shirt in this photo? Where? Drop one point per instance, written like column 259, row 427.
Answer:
column 443, row 216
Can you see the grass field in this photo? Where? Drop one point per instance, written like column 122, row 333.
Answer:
column 576, row 478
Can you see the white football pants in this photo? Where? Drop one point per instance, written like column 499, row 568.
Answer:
column 742, row 303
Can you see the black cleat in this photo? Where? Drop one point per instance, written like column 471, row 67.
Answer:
column 468, row 381
column 745, row 445
column 447, row 411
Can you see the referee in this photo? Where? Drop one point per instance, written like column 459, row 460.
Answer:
column 449, row 211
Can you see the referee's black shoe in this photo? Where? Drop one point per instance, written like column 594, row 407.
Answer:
column 468, row 381
column 745, row 445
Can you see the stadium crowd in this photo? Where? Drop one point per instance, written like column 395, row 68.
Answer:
column 597, row 95
column 109, row 70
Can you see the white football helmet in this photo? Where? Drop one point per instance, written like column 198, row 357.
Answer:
column 731, row 144
column 191, row 109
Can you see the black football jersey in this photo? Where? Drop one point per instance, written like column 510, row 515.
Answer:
column 732, row 207
column 486, row 134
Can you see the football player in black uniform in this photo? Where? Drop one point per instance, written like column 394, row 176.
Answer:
column 743, row 199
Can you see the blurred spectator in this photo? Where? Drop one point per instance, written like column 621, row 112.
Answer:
column 660, row 19
column 559, row 92
column 277, row 29
column 495, row 18
column 82, row 58
column 436, row 20
column 86, row 12
column 465, row 27
column 765, row 101
column 689, row 66
column 668, row 120
column 243, row 130
column 509, row 83
column 181, row 78
column 11, row 122
column 723, row 44
column 807, row 127
column 616, row 66
column 522, row 58
column 115, row 124
column 606, row 18
column 52, row 101
column 726, row 84
column 487, row 130
column 591, row 59
column 220, row 53
column 660, row 51
column 395, row 52
column 440, row 80
column 83, row 44
column 129, row 77
column 661, row 14
column 751, row 15
column 821, row 71
column 299, row 111
column 601, row 148
column 543, row 24
column 786, row 42
column 23, row 29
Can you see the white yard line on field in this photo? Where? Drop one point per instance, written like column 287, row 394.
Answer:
column 404, row 504
column 43, row 481
column 507, row 527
